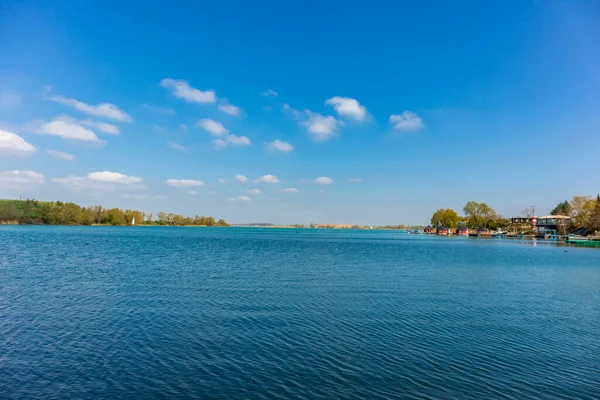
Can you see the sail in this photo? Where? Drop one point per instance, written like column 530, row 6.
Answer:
column 133, row 221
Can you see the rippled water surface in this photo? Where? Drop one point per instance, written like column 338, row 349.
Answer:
column 142, row 313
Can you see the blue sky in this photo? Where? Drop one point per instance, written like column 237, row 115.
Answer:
column 337, row 112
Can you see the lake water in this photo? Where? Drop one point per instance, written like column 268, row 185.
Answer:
column 142, row 313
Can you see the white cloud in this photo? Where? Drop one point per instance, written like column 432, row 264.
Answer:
column 348, row 107
column 295, row 113
column 177, row 146
column 267, row 179
column 162, row 110
column 13, row 144
column 230, row 109
column 192, row 192
column 17, row 178
column 113, row 177
column 254, row 191
column 184, row 182
column 101, row 181
column 244, row 199
column 221, row 180
column 270, row 93
column 80, row 182
column 233, row 140
column 278, row 145
column 215, row 128
column 105, row 110
column 135, row 196
column 183, row 127
column 324, row 180
column 354, row 180
column 182, row 90
column 9, row 99
column 101, row 126
column 407, row 121
column 64, row 127
column 290, row 190
column 159, row 128
column 60, row 155
column 319, row 127
column 241, row 178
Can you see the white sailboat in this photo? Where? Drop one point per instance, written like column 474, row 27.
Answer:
column 133, row 221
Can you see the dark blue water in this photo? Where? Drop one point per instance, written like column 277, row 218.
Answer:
column 143, row 313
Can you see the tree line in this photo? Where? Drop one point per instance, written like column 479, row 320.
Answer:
column 583, row 211
column 476, row 216
column 61, row 213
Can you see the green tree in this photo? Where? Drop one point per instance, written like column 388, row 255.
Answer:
column 563, row 208
column 594, row 223
column 116, row 216
column 582, row 208
column 445, row 217
column 479, row 214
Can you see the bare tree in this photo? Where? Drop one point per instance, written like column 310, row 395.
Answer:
column 527, row 212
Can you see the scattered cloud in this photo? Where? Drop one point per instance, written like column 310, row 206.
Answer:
column 241, row 199
column 295, row 113
column 348, row 108
column 233, row 140
column 407, row 121
column 82, row 182
column 113, row 177
column 254, row 191
column 290, row 190
column 161, row 110
column 64, row 127
column 267, row 179
column 320, row 127
column 177, row 146
column 60, row 155
column 183, row 182
column 221, row 180
column 354, row 180
column 135, row 196
column 230, row 109
column 324, row 180
column 241, row 178
column 19, row 178
column 159, row 128
column 183, row 127
column 101, row 126
column 160, row 196
column 280, row 146
column 101, row 181
column 215, row 128
column 13, row 144
column 270, row 93
column 104, row 110
column 9, row 99
column 192, row 192
column 182, row 90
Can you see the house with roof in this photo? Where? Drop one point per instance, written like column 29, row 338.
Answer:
column 443, row 231
column 462, row 231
